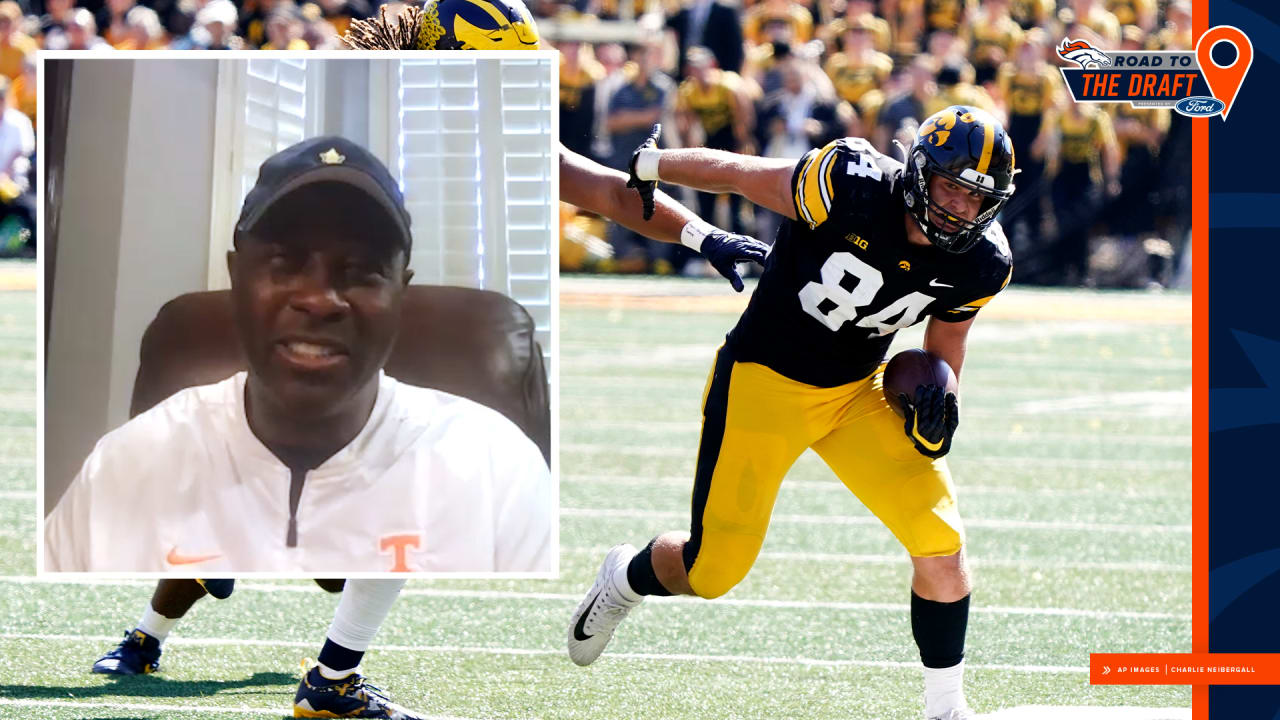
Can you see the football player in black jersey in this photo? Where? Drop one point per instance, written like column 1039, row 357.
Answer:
column 872, row 246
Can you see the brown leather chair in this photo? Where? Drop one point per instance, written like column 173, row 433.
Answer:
column 474, row 343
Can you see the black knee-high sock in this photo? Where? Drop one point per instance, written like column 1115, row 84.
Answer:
column 337, row 657
column 939, row 630
column 640, row 574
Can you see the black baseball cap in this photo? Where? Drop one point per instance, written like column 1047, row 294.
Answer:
column 327, row 159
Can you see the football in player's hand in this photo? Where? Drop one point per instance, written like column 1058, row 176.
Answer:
column 912, row 368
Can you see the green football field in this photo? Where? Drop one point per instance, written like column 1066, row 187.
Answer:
column 1073, row 463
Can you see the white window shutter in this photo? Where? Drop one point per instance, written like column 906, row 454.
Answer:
column 474, row 161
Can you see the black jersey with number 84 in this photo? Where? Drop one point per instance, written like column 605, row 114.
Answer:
column 842, row 278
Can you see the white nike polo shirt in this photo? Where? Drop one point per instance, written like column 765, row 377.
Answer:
column 433, row 483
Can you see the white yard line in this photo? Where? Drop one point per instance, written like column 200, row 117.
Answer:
column 901, row 560
column 1004, row 460
column 503, row 595
column 677, row 427
column 991, row 523
column 158, row 707
column 686, row 482
column 670, row 657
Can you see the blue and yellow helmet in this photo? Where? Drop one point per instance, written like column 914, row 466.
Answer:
column 477, row 25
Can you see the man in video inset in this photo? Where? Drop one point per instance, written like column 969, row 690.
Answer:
column 313, row 460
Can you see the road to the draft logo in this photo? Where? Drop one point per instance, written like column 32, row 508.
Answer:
column 1191, row 83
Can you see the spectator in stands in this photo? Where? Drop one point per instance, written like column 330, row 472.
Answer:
column 993, row 38
column 1176, row 33
column 1030, row 94
column 54, row 23
column 17, row 200
column 284, row 30
column 1092, row 15
column 955, row 87
column 859, row 67
column 144, row 30
column 317, row 32
column 82, row 33
column 633, row 110
column 1088, row 169
column 714, row 111
column 864, row 11
column 340, row 13
column 787, row 12
column 946, row 46
column 111, row 18
column 1031, row 13
column 950, row 15
column 793, row 120
column 1140, row 132
column 797, row 118
column 579, row 73
column 1141, row 13
column 713, row 25
column 15, row 46
column 906, row 106
column 214, row 29
column 23, row 92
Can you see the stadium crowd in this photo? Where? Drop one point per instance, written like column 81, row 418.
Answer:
column 1103, row 193
column 1104, row 190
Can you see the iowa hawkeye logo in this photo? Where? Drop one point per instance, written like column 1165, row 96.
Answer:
column 1192, row 83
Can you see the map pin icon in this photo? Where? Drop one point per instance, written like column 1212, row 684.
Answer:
column 1224, row 80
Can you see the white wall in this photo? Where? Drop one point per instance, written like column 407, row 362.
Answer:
column 134, row 234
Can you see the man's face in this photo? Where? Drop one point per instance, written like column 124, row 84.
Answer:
column 317, row 300
column 954, row 199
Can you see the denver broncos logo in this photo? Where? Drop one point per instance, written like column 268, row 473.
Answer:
column 1079, row 51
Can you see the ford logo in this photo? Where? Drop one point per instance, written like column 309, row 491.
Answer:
column 1199, row 106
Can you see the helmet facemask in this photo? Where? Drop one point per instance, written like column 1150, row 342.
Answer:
column 961, row 234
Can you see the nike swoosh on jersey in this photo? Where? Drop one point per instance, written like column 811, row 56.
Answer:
column 934, row 283
column 176, row 558
column 578, row 633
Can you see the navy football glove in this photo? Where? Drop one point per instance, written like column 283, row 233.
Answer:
column 644, row 187
column 931, row 420
column 724, row 250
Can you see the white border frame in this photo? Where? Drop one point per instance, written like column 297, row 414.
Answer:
column 226, row 134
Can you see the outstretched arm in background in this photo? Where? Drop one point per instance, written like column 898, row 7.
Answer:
column 596, row 188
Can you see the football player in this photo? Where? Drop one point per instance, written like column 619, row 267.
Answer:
column 871, row 246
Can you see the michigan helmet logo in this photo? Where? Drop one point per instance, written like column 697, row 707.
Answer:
column 477, row 25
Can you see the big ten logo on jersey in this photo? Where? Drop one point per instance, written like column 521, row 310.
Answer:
column 397, row 547
column 853, row 238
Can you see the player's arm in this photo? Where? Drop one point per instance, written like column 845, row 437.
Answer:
column 933, row 414
column 606, row 192
column 947, row 341
column 764, row 181
column 601, row 190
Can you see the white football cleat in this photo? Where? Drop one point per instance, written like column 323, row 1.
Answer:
column 601, row 610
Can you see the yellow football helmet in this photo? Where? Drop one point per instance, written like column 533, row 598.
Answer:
column 477, row 25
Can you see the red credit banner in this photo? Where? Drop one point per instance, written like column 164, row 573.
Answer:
column 1184, row 669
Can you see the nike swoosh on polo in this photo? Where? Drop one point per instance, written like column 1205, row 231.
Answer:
column 176, row 558
column 934, row 283
column 578, row 633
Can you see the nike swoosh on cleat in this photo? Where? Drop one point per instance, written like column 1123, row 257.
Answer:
column 578, row 633
column 175, row 558
column 934, row 283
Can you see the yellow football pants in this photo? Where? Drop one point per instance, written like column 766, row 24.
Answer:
column 757, row 422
